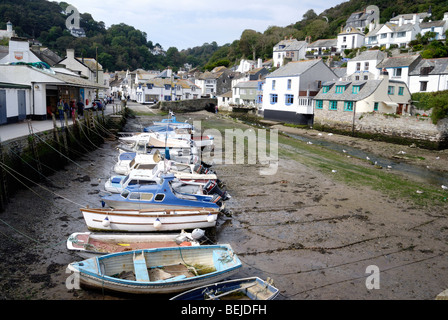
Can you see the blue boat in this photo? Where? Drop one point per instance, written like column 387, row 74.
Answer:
column 160, row 270
column 162, row 195
column 252, row 288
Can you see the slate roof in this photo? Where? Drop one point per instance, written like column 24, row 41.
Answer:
column 290, row 45
column 247, row 84
column 400, row 61
column 368, row 87
column 370, row 55
column 294, row 68
column 323, row 43
column 440, row 66
column 435, row 24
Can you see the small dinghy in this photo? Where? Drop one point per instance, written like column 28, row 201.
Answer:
column 252, row 288
column 91, row 244
column 158, row 271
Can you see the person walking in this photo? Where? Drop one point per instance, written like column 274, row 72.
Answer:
column 60, row 106
column 80, row 106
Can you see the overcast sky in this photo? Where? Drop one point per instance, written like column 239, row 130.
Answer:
column 188, row 23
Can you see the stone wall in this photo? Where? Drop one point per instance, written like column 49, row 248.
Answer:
column 404, row 128
column 188, row 105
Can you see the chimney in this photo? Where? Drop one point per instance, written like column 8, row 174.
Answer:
column 260, row 63
column 9, row 27
column 384, row 74
column 400, row 21
column 415, row 18
column 71, row 54
column 169, row 72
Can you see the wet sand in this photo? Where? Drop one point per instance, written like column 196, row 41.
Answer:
column 313, row 234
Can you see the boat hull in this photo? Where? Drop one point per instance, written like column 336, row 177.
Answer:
column 146, row 221
column 100, row 272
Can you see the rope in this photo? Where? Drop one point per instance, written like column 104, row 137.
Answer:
column 88, row 137
column 57, row 150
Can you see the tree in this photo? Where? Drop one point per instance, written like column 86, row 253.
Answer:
column 309, row 15
column 250, row 42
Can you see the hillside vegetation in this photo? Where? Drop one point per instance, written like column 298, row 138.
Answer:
column 122, row 47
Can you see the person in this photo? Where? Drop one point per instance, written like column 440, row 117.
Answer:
column 67, row 109
column 73, row 109
column 60, row 106
column 80, row 106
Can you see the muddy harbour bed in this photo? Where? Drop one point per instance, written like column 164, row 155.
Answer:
column 315, row 227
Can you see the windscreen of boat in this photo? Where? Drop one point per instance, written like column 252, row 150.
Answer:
column 125, row 193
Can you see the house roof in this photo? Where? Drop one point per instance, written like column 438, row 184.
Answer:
column 351, row 30
column 410, row 16
column 290, row 45
column 340, row 72
column 399, row 61
column 323, row 43
column 294, row 68
column 439, row 23
column 439, row 66
column 370, row 55
column 368, row 87
column 247, row 84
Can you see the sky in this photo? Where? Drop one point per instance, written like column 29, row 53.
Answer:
column 188, row 23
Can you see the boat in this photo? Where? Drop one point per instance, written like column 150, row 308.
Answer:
column 158, row 271
column 139, row 161
column 252, row 288
column 116, row 184
column 166, row 194
column 183, row 134
column 91, row 244
column 172, row 122
column 149, row 220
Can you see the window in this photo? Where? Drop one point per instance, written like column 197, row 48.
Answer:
column 274, row 98
column 167, row 98
column 366, row 66
column 383, row 35
column 423, row 85
column 401, row 34
column 159, row 197
column 149, row 86
column 356, row 78
column 340, row 89
column 366, row 78
column 400, row 91
column 375, row 106
column 273, row 84
column 397, row 72
column 344, row 39
column 390, row 90
column 146, row 196
column 424, row 71
column 289, row 99
column 348, row 106
column 319, row 104
column 333, row 105
column 358, row 66
column 325, row 89
column 167, row 87
column 355, row 89
column 289, row 84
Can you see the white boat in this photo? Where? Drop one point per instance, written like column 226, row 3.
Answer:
column 90, row 244
column 158, row 271
column 149, row 220
column 139, row 161
column 252, row 288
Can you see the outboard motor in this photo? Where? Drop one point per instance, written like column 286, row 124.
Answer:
column 212, row 188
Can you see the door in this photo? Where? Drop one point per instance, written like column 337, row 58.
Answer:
column 400, row 108
column 22, row 104
column 3, row 118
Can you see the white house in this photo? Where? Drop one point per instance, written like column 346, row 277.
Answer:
column 322, row 47
column 289, row 48
column 438, row 27
column 87, row 67
column 363, row 66
column 288, row 91
column 399, row 67
column 429, row 75
column 165, row 89
column 9, row 32
column 392, row 34
column 350, row 38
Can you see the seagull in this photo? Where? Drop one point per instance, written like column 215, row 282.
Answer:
column 344, row 151
column 330, row 134
column 389, row 167
column 367, row 158
column 319, row 134
column 401, row 152
column 444, row 187
column 309, row 142
column 334, row 171
column 418, row 191
column 437, row 158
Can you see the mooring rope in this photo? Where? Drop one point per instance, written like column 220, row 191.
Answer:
column 87, row 136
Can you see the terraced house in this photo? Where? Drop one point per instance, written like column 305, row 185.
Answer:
column 340, row 100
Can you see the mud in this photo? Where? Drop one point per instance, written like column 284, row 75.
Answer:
column 314, row 235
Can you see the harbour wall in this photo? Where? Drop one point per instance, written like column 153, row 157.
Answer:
column 188, row 105
column 28, row 160
column 401, row 129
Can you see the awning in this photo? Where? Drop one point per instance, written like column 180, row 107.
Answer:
column 390, row 104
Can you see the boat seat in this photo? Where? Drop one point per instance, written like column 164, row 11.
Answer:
column 176, row 278
column 140, row 268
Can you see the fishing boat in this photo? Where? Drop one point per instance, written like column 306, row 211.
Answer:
column 252, row 288
column 166, row 194
column 158, row 271
column 149, row 220
column 91, row 244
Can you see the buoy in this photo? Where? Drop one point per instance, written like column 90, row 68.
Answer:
column 197, row 234
column 106, row 222
column 210, row 218
column 157, row 224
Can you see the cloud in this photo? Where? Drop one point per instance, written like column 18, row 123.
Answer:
column 189, row 23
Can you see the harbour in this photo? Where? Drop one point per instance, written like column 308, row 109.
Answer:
column 323, row 227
